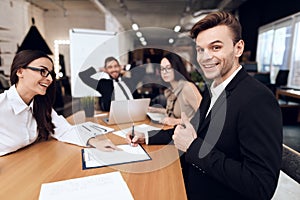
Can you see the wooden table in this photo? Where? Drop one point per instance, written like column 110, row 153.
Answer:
column 23, row 172
column 290, row 93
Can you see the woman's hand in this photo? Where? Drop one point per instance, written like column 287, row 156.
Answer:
column 156, row 110
column 102, row 143
column 171, row 121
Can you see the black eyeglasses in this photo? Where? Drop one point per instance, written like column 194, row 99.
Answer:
column 43, row 71
column 166, row 69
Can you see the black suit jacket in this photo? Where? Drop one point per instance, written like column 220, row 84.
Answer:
column 104, row 86
column 237, row 153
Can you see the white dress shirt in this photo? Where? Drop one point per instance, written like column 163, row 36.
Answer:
column 216, row 91
column 119, row 93
column 18, row 127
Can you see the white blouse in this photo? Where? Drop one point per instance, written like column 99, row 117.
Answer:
column 18, row 127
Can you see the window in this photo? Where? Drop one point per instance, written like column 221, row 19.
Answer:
column 294, row 80
column 276, row 49
column 264, row 47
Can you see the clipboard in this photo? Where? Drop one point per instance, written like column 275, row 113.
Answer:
column 94, row 158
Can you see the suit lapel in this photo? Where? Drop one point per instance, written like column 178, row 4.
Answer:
column 220, row 104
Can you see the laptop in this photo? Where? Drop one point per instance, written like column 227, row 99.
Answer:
column 127, row 111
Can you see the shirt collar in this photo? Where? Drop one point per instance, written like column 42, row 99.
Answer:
column 119, row 79
column 17, row 104
column 216, row 91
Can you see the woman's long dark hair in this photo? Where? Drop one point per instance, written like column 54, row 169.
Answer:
column 42, row 106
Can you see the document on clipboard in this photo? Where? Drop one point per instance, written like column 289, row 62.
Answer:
column 94, row 158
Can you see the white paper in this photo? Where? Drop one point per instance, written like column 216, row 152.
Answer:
column 96, row 158
column 143, row 128
column 110, row 186
column 156, row 117
column 287, row 188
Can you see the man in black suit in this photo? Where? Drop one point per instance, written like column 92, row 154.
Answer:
column 235, row 149
column 111, row 85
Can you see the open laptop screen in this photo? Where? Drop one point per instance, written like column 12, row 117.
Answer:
column 128, row 111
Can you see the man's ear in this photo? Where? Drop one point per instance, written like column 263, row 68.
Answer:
column 239, row 48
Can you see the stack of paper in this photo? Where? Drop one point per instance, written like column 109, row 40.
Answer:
column 108, row 186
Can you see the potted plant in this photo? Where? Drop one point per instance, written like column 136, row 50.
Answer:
column 87, row 104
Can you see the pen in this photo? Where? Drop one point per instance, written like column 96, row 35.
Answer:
column 99, row 128
column 132, row 133
column 86, row 128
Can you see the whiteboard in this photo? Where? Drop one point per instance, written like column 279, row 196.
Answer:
column 89, row 47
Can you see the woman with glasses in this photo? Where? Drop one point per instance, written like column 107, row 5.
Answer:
column 26, row 107
column 182, row 94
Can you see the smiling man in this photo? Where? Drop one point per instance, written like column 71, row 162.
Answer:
column 236, row 151
column 111, row 86
column 233, row 148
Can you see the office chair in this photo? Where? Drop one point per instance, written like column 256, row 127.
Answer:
column 280, row 81
column 282, row 78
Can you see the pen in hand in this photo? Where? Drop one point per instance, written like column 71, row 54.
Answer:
column 132, row 134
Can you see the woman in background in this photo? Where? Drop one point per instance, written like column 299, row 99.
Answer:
column 182, row 94
column 26, row 107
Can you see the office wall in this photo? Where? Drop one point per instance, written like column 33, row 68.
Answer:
column 255, row 13
column 15, row 17
column 57, row 24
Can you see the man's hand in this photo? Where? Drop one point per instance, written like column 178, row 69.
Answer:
column 139, row 138
column 184, row 134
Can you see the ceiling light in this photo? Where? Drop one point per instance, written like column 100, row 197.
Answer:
column 139, row 34
column 171, row 40
column 135, row 27
column 144, row 43
column 142, row 39
column 177, row 28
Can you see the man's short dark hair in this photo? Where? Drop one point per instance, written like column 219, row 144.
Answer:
column 216, row 19
column 109, row 59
